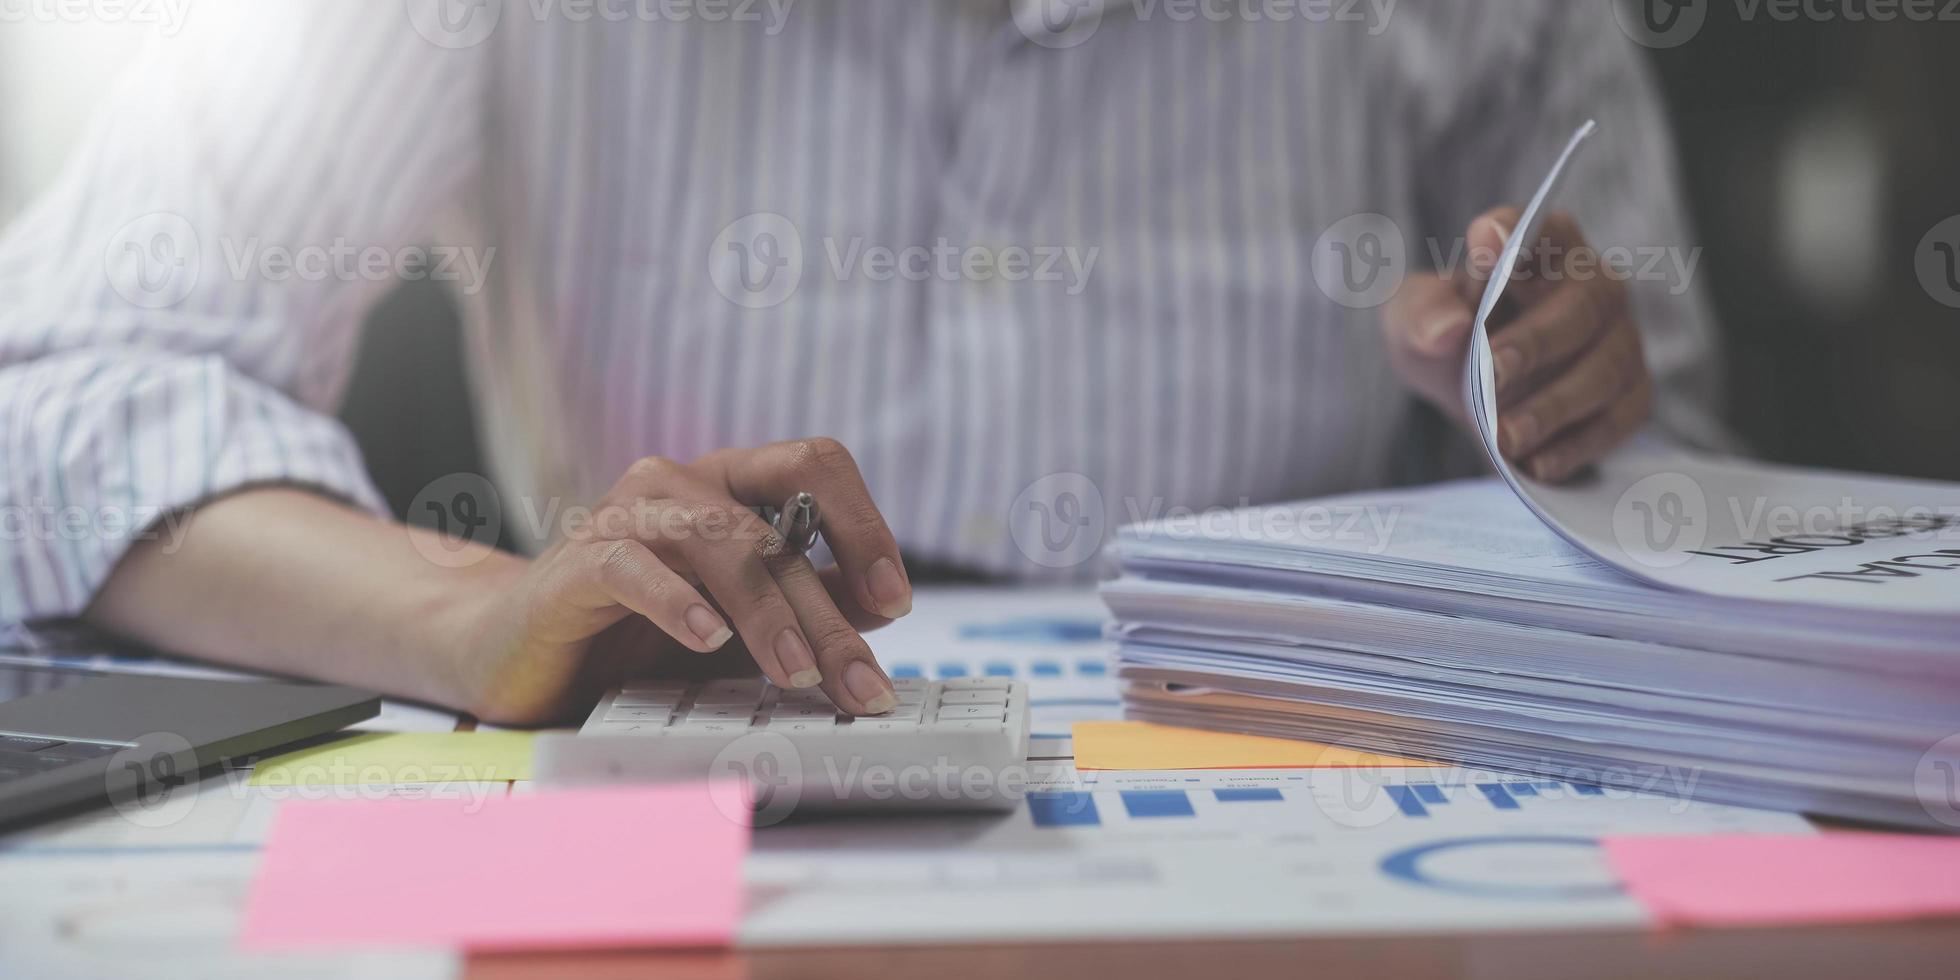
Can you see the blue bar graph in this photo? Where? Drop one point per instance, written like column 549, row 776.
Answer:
column 1091, row 668
column 1406, row 799
column 1497, row 795
column 1585, row 790
column 1063, row 809
column 952, row 669
column 999, row 669
column 1157, row 803
column 1521, row 789
column 1429, row 792
column 909, row 671
column 1046, row 668
column 1252, row 795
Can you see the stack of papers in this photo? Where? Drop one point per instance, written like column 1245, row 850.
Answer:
column 1669, row 622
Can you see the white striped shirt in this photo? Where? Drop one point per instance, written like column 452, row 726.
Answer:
column 152, row 356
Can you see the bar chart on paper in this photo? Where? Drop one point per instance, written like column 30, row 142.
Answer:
column 1052, row 640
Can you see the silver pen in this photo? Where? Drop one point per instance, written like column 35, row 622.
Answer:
column 795, row 522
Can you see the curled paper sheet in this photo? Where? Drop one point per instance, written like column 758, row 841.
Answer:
column 1731, row 527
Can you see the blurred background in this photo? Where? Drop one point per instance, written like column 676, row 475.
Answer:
column 1818, row 156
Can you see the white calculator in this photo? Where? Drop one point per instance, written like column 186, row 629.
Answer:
column 957, row 744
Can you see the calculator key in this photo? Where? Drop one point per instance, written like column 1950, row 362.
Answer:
column 801, row 726
column 730, row 692
column 880, row 723
column 803, row 711
column 994, row 711
column 970, row 724
column 977, row 683
column 628, row 699
column 707, row 727
column 718, row 712
column 903, row 684
column 654, row 687
column 973, row 697
column 627, row 728
column 656, row 716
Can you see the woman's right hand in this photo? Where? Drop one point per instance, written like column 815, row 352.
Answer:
column 677, row 547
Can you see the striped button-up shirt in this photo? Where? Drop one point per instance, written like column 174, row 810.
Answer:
column 1045, row 268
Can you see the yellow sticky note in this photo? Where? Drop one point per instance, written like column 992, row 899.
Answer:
column 1142, row 745
column 381, row 758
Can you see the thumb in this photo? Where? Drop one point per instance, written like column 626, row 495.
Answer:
column 1427, row 318
column 1483, row 243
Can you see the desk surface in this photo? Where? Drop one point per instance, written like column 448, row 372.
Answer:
column 1926, row 949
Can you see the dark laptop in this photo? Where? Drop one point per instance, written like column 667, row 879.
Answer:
column 73, row 736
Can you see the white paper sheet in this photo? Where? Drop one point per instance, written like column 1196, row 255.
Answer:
column 1731, row 528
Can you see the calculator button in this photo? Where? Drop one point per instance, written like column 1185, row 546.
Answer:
column 903, row 711
column 708, row 727
column 903, row 684
column 724, row 697
column 973, row 697
column 716, row 712
column 799, row 726
column 952, row 711
column 883, row 724
column 656, row 716
column 653, row 687
column 970, row 724
column 628, row 728
column 631, row 700
column 977, row 683
column 787, row 711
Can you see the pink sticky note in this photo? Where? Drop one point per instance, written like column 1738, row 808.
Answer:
column 605, row 867
column 1769, row 879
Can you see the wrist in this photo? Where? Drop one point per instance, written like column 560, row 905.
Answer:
column 455, row 621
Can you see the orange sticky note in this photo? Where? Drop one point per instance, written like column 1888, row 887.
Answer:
column 1777, row 879
column 1142, row 745
column 629, row 866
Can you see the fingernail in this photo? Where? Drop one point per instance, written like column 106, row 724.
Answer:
column 1509, row 362
column 888, row 588
column 707, row 626
column 794, row 655
column 869, row 688
column 1442, row 326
